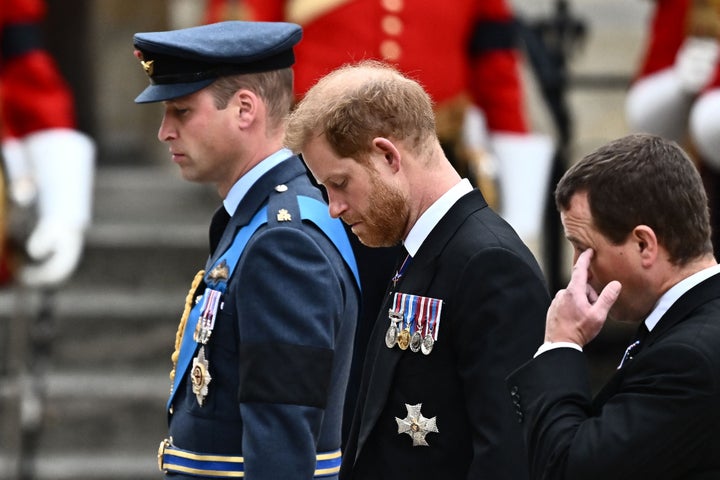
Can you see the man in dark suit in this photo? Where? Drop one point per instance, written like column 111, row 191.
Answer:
column 262, row 354
column 637, row 216
column 465, row 306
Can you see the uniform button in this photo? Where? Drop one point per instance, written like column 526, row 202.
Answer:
column 392, row 25
column 520, row 417
column 171, row 410
column 390, row 50
column 392, row 5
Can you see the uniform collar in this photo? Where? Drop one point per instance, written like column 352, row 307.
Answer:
column 243, row 185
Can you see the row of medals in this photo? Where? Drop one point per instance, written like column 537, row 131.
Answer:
column 200, row 373
column 402, row 337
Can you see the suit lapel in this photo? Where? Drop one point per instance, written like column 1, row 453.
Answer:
column 693, row 298
column 382, row 361
column 698, row 295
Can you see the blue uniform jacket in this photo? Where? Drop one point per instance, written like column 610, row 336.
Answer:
column 280, row 352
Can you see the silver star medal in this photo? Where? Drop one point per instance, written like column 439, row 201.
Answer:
column 200, row 376
column 416, row 425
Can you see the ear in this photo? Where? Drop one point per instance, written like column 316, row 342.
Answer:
column 389, row 152
column 246, row 104
column 646, row 244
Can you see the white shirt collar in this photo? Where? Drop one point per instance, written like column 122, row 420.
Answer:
column 243, row 185
column 431, row 216
column 677, row 291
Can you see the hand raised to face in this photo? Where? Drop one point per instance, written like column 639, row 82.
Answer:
column 577, row 313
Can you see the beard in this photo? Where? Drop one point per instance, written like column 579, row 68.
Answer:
column 387, row 216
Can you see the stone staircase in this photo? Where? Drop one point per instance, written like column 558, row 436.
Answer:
column 105, row 337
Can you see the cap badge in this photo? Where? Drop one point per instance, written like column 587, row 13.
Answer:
column 148, row 66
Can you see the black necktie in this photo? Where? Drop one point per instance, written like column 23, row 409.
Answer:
column 642, row 332
column 217, row 227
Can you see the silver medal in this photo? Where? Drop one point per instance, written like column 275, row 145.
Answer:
column 391, row 336
column 416, row 341
column 427, row 344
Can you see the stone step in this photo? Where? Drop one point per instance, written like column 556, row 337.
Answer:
column 121, row 330
column 149, row 229
column 169, row 262
column 95, row 419
column 150, row 195
column 78, row 466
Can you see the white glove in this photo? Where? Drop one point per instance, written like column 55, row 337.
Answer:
column 482, row 163
column 525, row 164
column 658, row 104
column 696, row 62
column 705, row 128
column 63, row 163
column 22, row 190
column 57, row 248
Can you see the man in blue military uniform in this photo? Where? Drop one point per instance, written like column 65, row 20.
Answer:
column 263, row 350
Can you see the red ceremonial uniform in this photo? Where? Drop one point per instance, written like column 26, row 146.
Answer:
column 465, row 49
column 47, row 161
column 34, row 94
column 668, row 30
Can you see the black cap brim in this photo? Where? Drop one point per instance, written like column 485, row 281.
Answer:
column 171, row 91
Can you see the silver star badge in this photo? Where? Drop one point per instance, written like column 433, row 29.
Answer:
column 200, row 376
column 416, row 425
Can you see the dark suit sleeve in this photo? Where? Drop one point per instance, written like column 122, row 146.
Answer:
column 499, row 317
column 289, row 303
column 667, row 398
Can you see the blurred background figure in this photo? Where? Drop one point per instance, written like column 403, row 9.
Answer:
column 48, row 164
column 677, row 90
column 468, row 60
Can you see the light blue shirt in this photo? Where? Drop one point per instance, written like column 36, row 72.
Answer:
column 243, row 185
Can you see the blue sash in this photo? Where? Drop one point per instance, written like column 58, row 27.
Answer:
column 310, row 209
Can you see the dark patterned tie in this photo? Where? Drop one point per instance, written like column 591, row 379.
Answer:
column 217, row 227
column 634, row 347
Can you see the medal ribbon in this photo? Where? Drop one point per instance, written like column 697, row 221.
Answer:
column 422, row 314
column 399, row 273
column 412, row 307
column 397, row 303
column 206, row 321
column 435, row 320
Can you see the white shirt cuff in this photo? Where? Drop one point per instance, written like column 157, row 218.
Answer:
column 553, row 345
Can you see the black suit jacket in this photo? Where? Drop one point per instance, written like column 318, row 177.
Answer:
column 657, row 418
column 495, row 301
